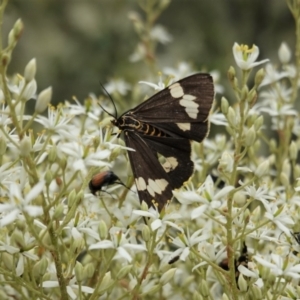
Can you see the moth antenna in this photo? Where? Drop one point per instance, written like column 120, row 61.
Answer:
column 111, row 99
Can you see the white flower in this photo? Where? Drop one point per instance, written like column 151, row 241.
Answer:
column 80, row 160
column 184, row 69
column 245, row 57
column 139, row 53
column 117, row 86
column 79, row 228
column 160, row 34
column 218, row 119
column 157, row 222
column 279, row 267
column 261, row 194
column 226, row 162
column 120, row 243
column 272, row 75
column 19, row 204
column 280, row 218
column 57, row 122
column 72, row 287
column 157, row 87
column 205, row 195
column 185, row 242
column 23, row 254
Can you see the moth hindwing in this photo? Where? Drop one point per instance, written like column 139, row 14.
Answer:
column 160, row 130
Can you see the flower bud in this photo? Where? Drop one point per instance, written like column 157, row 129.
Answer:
column 244, row 93
column 258, row 122
column 297, row 171
column 146, row 233
column 204, row 289
column 30, row 70
column 40, row 268
column 52, row 154
column 242, row 283
column 256, row 292
column 79, row 271
column 30, row 90
column 239, row 199
column 284, row 180
column 231, row 117
column 224, row 297
column 196, row 296
column 144, row 206
column 166, row 277
column 250, row 137
column 5, row 59
column 25, row 146
column 8, row 261
column 273, row 146
column 154, row 289
column 293, row 151
column 262, row 169
column 124, row 271
column 284, row 53
column 3, row 145
column 106, row 283
column 259, row 77
column 15, row 33
column 103, row 230
column 224, row 105
column 226, row 162
column 71, row 198
column 58, row 212
column 252, row 97
column 43, row 100
column 89, row 270
column 231, row 74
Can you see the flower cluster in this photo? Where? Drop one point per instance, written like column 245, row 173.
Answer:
column 231, row 230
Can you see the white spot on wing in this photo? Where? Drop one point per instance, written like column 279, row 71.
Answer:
column 162, row 183
column 170, row 164
column 140, row 184
column 154, row 186
column 188, row 97
column 184, row 126
column 176, row 90
column 191, row 107
column 150, row 189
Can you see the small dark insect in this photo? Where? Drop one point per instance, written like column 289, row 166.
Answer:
column 173, row 259
column 242, row 260
column 160, row 130
column 103, row 179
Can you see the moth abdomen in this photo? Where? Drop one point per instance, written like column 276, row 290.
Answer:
column 129, row 123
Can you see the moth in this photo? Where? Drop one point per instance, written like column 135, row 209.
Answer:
column 103, row 179
column 160, row 130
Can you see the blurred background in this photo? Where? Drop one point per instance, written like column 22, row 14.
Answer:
column 79, row 43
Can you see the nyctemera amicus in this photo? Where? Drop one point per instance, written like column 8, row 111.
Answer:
column 160, row 130
column 103, row 179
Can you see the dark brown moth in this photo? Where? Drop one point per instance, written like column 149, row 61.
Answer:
column 160, row 130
